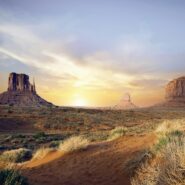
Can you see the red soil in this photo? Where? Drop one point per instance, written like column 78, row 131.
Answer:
column 99, row 164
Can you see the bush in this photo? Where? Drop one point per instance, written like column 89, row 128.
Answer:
column 39, row 135
column 141, row 157
column 16, row 156
column 73, row 143
column 164, row 140
column 167, row 168
column 161, row 144
column 117, row 132
column 12, row 177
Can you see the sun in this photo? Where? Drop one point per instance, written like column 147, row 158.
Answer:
column 80, row 102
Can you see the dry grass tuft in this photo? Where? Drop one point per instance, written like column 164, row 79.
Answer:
column 41, row 153
column 167, row 168
column 73, row 143
column 141, row 157
column 117, row 132
column 16, row 156
column 169, row 126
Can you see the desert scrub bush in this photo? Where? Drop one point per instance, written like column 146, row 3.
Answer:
column 39, row 135
column 117, row 132
column 41, row 153
column 16, row 156
column 167, row 168
column 12, row 177
column 141, row 157
column 164, row 140
column 73, row 143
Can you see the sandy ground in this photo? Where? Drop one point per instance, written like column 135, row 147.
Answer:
column 100, row 164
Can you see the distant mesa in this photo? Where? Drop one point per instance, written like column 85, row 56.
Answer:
column 175, row 92
column 125, row 103
column 21, row 92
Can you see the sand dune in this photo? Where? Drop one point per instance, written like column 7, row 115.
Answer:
column 99, row 164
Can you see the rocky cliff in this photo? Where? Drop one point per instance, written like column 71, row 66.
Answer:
column 175, row 90
column 174, row 94
column 20, row 82
column 21, row 92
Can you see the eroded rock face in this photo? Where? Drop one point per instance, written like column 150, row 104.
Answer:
column 20, row 82
column 21, row 92
column 175, row 90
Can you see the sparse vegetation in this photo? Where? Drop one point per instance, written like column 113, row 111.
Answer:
column 169, row 126
column 140, row 158
column 117, row 132
column 42, row 152
column 16, row 156
column 73, row 143
column 167, row 166
column 12, row 177
column 67, row 130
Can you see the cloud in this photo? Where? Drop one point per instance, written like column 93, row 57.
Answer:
column 134, row 63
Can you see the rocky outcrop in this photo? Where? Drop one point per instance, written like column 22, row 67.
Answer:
column 20, row 82
column 175, row 90
column 174, row 94
column 21, row 92
column 125, row 103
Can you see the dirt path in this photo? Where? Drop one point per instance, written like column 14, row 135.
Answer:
column 100, row 164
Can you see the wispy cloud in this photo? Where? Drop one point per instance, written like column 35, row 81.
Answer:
column 135, row 62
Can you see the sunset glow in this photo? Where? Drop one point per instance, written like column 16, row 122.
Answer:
column 91, row 50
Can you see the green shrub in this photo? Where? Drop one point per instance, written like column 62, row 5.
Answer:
column 163, row 141
column 12, row 177
column 161, row 144
column 39, row 135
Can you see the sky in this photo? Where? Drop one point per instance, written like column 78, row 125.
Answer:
column 90, row 53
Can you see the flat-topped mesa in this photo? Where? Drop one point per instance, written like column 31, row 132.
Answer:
column 20, row 82
column 175, row 90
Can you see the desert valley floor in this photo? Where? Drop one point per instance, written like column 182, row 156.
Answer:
column 111, row 155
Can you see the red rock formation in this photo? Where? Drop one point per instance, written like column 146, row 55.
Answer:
column 20, row 82
column 125, row 103
column 175, row 90
column 174, row 94
column 21, row 92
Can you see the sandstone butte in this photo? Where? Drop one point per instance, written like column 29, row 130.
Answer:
column 21, row 92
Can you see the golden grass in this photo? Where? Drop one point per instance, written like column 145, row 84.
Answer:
column 167, row 167
column 73, row 143
column 116, row 133
column 41, row 153
column 17, row 155
column 168, row 126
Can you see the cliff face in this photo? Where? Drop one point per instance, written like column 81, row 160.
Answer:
column 20, row 82
column 175, row 90
column 21, row 92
